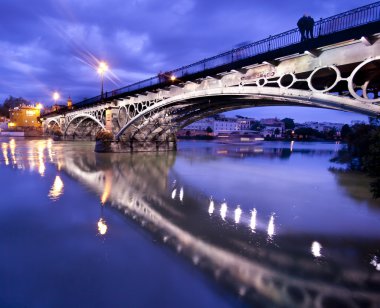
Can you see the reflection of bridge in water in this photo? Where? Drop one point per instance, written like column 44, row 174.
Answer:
column 240, row 151
column 244, row 255
column 337, row 70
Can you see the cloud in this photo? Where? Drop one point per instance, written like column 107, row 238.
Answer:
column 130, row 42
column 183, row 7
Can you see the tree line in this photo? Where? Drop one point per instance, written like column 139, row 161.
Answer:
column 10, row 103
column 362, row 151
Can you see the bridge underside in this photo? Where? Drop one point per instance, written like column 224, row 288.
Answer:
column 156, row 129
column 82, row 128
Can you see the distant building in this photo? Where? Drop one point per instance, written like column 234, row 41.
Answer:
column 219, row 124
column 57, row 107
column 25, row 116
column 69, row 103
column 272, row 127
column 324, row 126
column 3, row 123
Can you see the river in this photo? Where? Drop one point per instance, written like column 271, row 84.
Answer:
column 212, row 225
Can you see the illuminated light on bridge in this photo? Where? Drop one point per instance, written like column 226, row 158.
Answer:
column 56, row 97
column 57, row 189
column 223, row 210
column 4, row 147
column 211, row 207
column 181, row 194
column 271, row 227
column 102, row 226
column 174, row 192
column 253, row 221
column 238, row 213
column 102, row 68
column 316, row 249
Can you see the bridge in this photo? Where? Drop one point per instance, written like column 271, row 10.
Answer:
column 338, row 69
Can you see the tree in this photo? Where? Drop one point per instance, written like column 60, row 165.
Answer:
column 209, row 130
column 256, row 125
column 363, row 142
column 374, row 121
column 10, row 103
column 345, row 131
column 289, row 123
column 277, row 131
column 308, row 132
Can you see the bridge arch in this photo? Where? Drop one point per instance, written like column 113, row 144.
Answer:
column 81, row 117
column 50, row 124
column 242, row 97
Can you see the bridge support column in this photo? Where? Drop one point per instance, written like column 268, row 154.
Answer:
column 135, row 146
column 62, row 123
column 111, row 120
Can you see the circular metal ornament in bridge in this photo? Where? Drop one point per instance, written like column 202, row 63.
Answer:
column 364, row 88
column 287, row 80
column 324, row 70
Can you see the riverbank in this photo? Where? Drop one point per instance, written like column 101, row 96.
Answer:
column 21, row 134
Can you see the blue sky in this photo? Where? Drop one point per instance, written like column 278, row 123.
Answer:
column 55, row 45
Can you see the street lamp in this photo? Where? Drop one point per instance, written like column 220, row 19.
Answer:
column 55, row 97
column 103, row 67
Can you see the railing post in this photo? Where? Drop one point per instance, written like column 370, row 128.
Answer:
column 320, row 27
column 269, row 41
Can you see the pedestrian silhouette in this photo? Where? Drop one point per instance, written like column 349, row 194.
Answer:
column 309, row 27
column 302, row 24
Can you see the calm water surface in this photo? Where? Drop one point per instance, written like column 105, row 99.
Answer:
column 213, row 225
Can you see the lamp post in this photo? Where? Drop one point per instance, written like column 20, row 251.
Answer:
column 55, row 97
column 103, row 67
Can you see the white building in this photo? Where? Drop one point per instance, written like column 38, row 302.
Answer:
column 221, row 124
column 201, row 124
column 324, row 126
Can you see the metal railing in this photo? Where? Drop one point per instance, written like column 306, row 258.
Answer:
column 340, row 22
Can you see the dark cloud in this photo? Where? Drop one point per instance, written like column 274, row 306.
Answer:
column 49, row 45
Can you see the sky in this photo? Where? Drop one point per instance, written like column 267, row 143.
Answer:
column 56, row 45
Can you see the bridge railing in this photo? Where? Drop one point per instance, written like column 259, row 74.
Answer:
column 350, row 19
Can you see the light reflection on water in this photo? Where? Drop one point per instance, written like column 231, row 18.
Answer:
column 57, row 189
column 316, row 249
column 254, row 251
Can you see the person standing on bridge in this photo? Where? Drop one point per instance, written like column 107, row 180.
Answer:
column 302, row 24
column 309, row 27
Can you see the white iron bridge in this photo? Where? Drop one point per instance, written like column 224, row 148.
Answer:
column 339, row 69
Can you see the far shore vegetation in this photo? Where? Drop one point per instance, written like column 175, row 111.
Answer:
column 362, row 151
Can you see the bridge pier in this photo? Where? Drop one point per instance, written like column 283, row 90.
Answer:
column 135, row 146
